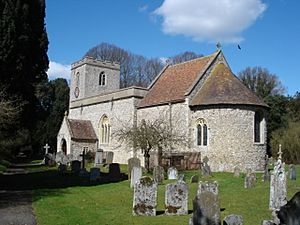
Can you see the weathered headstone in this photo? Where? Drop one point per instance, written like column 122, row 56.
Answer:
column 268, row 222
column 206, row 171
column 290, row 213
column 233, row 220
column 194, row 179
column 278, row 186
column 236, row 171
column 292, row 172
column 50, row 159
column 109, row 157
column 61, row 158
column 62, row 168
column 136, row 174
column 250, row 180
column 145, row 197
column 94, row 174
column 114, row 170
column 206, row 205
column 75, row 166
column 133, row 162
column 176, row 199
column 158, row 174
column 172, row 173
column 98, row 157
column 181, row 178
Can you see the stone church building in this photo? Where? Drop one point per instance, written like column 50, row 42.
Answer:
column 202, row 99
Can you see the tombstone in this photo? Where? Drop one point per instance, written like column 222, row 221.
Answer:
column 46, row 147
column 158, row 174
column 292, row 172
column 176, row 199
column 136, row 174
column 83, row 159
column 194, row 179
column 109, row 157
column 75, row 166
column 206, row 205
column 145, row 197
column 268, row 222
column 84, row 173
column 94, row 174
column 114, row 170
column 50, row 160
column 278, row 186
column 236, row 171
column 172, row 173
column 266, row 176
column 290, row 213
column 62, row 168
column 61, row 158
column 98, row 157
column 133, row 162
column 205, row 167
column 181, row 178
column 233, row 220
column 250, row 180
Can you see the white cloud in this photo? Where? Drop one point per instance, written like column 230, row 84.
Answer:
column 57, row 70
column 210, row 20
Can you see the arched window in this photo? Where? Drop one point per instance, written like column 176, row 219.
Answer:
column 102, row 79
column 202, row 132
column 104, row 131
column 259, row 127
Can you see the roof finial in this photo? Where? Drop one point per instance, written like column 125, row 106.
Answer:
column 219, row 46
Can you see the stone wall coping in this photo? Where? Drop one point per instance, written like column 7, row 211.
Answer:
column 137, row 92
column 96, row 62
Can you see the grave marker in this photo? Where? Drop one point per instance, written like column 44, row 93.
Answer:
column 172, row 173
column 133, row 162
column 292, row 172
column 176, row 199
column 136, row 174
column 158, row 174
column 233, row 220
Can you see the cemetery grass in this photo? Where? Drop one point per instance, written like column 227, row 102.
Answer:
column 112, row 203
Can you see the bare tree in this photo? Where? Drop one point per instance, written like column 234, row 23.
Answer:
column 261, row 81
column 183, row 57
column 150, row 135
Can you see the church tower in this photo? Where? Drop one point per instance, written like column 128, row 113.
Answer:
column 90, row 77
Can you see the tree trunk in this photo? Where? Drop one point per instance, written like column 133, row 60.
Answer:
column 147, row 160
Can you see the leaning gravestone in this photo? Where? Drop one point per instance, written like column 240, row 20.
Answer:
column 176, row 199
column 206, row 171
column 136, row 174
column 133, row 162
column 172, row 173
column 98, row 157
column 233, row 220
column 114, row 170
column 206, row 205
column 75, row 166
column 250, row 180
column 109, row 157
column 145, row 197
column 292, row 172
column 158, row 174
column 236, row 171
column 94, row 174
column 194, row 179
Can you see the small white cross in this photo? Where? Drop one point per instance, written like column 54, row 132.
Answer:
column 47, row 148
column 280, row 152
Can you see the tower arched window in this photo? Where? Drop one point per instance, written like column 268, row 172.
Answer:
column 102, row 79
column 202, row 132
column 104, row 130
column 259, row 127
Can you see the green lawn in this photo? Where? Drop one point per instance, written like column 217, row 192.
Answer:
column 112, row 203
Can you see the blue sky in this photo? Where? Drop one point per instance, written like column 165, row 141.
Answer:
column 268, row 31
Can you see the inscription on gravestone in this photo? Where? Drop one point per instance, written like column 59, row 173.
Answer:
column 145, row 197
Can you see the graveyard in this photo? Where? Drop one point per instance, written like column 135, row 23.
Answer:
column 63, row 198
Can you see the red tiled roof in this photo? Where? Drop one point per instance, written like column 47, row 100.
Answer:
column 82, row 130
column 172, row 84
column 222, row 87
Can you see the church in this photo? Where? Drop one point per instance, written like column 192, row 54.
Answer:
column 202, row 99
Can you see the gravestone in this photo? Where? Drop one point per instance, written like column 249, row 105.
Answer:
column 278, row 186
column 181, row 178
column 145, row 197
column 194, row 179
column 290, row 213
column 236, row 171
column 136, row 174
column 250, row 180
column 205, row 167
column 75, row 166
column 62, row 168
column 98, row 157
column 206, row 205
column 158, row 174
column 172, row 173
column 109, row 157
column 61, row 158
column 176, row 199
column 94, row 174
column 268, row 222
column 114, row 170
column 292, row 172
column 46, row 147
column 50, row 159
column 233, row 220
column 133, row 162
column 83, row 159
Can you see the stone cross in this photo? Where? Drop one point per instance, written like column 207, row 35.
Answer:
column 280, row 153
column 46, row 147
column 83, row 158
